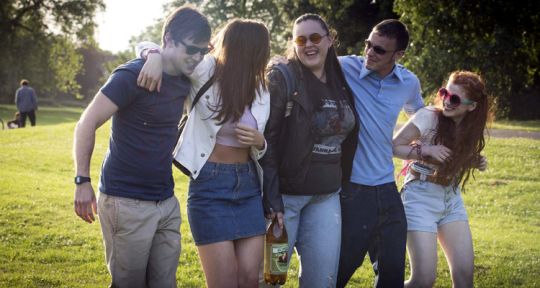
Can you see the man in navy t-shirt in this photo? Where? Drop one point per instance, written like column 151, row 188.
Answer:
column 139, row 215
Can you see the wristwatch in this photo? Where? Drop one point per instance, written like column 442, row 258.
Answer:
column 81, row 179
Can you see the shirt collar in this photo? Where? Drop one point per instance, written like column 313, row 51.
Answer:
column 364, row 71
column 395, row 71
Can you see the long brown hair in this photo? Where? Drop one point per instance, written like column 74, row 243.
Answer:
column 465, row 140
column 242, row 51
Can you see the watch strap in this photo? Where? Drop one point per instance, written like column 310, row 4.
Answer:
column 82, row 179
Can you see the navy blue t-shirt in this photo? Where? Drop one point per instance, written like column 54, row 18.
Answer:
column 138, row 163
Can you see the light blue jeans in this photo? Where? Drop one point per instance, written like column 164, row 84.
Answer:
column 313, row 225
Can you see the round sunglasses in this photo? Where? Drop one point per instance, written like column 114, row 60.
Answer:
column 192, row 50
column 315, row 38
column 454, row 99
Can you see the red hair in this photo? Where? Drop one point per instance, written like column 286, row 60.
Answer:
column 466, row 139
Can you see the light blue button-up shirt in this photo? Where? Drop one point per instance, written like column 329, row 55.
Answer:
column 378, row 102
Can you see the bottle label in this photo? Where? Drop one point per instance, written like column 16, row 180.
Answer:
column 279, row 258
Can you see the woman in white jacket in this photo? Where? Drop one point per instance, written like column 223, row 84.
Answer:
column 220, row 146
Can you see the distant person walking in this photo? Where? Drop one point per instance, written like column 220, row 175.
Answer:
column 26, row 101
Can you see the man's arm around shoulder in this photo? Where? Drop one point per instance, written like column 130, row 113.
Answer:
column 97, row 113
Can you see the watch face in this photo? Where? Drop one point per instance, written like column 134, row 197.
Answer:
column 80, row 179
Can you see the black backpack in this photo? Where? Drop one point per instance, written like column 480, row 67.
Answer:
column 290, row 82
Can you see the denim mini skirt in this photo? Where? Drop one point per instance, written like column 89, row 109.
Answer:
column 225, row 203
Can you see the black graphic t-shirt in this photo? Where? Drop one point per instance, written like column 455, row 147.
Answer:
column 331, row 123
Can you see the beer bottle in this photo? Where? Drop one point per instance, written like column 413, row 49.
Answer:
column 276, row 258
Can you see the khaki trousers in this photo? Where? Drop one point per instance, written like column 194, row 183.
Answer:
column 142, row 240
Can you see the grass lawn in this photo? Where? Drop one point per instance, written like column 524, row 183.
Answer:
column 44, row 244
column 44, row 115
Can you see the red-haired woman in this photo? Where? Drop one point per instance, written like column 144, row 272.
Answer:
column 444, row 143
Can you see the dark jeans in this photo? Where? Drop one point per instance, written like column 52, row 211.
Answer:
column 31, row 114
column 373, row 220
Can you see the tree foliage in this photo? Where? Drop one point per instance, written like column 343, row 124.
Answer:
column 499, row 39
column 221, row 11
column 352, row 19
column 40, row 40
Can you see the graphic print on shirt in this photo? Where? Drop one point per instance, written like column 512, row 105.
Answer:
column 330, row 130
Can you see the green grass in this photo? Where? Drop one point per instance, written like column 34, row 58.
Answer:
column 530, row 125
column 44, row 244
column 44, row 115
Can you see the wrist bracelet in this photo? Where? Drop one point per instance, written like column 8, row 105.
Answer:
column 418, row 148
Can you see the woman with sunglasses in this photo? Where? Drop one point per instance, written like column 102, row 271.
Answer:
column 444, row 143
column 220, row 145
column 306, row 135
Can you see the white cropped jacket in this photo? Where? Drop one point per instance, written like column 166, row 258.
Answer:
column 199, row 136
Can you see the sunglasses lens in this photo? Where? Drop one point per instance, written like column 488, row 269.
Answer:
column 192, row 50
column 443, row 92
column 300, row 40
column 455, row 100
column 377, row 49
column 315, row 38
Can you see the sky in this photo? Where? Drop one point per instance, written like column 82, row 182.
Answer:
column 123, row 19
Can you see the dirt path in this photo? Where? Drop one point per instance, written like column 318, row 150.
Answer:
column 503, row 133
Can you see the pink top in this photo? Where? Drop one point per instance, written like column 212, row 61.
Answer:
column 227, row 135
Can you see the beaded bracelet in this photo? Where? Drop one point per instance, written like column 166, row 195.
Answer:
column 418, row 148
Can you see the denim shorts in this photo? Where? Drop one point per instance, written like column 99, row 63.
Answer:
column 225, row 203
column 429, row 205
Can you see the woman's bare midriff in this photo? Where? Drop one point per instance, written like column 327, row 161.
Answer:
column 229, row 155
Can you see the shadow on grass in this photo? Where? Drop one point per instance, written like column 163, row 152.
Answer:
column 45, row 115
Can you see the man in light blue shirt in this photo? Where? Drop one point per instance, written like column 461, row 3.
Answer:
column 373, row 218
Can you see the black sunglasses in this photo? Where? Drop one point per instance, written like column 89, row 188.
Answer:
column 192, row 50
column 455, row 100
column 315, row 38
column 378, row 49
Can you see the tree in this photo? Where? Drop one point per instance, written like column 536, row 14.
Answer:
column 352, row 19
column 40, row 38
column 221, row 11
column 497, row 38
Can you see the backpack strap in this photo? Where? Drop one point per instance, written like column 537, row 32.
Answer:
column 290, row 82
column 201, row 91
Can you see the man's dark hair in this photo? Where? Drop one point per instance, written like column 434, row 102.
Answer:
column 24, row 82
column 186, row 22
column 392, row 28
